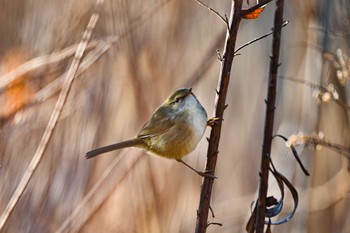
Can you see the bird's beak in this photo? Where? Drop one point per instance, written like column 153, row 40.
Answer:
column 189, row 91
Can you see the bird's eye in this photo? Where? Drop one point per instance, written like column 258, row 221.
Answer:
column 177, row 99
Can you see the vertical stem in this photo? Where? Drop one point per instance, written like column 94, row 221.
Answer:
column 51, row 125
column 269, row 117
column 220, row 105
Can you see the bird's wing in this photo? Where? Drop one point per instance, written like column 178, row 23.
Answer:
column 158, row 124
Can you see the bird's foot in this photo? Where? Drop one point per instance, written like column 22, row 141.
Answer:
column 206, row 175
column 203, row 174
column 214, row 121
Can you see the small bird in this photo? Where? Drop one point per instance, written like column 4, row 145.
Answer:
column 173, row 131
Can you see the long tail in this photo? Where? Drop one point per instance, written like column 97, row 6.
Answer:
column 120, row 145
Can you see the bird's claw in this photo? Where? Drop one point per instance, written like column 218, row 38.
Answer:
column 214, row 121
column 206, row 175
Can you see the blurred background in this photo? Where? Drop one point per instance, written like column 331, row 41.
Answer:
column 163, row 45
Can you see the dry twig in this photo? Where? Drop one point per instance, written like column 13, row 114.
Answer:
column 259, row 38
column 212, row 10
column 54, row 116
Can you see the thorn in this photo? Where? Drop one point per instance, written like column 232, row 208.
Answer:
column 279, row 64
column 227, row 23
column 219, row 55
column 212, row 211
column 207, row 139
column 224, row 56
column 271, row 57
column 265, row 100
column 207, row 175
column 226, row 105
column 217, row 92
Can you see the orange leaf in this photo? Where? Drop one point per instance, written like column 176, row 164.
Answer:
column 255, row 14
column 17, row 93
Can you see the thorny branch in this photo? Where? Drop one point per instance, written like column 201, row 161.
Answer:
column 220, row 105
column 269, row 118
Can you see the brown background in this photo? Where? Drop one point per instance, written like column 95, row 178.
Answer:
column 164, row 47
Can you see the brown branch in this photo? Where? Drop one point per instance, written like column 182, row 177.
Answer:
column 269, row 118
column 54, row 117
column 259, row 38
column 220, row 105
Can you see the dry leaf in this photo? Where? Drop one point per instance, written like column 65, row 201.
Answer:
column 255, row 14
column 17, row 93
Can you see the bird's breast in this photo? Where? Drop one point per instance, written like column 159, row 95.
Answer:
column 183, row 137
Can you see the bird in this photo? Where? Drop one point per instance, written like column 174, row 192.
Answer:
column 173, row 131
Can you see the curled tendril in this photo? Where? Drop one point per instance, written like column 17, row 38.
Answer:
column 277, row 208
column 274, row 206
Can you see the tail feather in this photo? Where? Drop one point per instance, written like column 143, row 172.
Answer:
column 120, row 145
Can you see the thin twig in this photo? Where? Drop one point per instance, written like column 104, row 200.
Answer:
column 313, row 85
column 212, row 10
column 220, row 106
column 269, row 118
column 215, row 223
column 259, row 38
column 317, row 140
column 343, row 150
column 54, row 116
